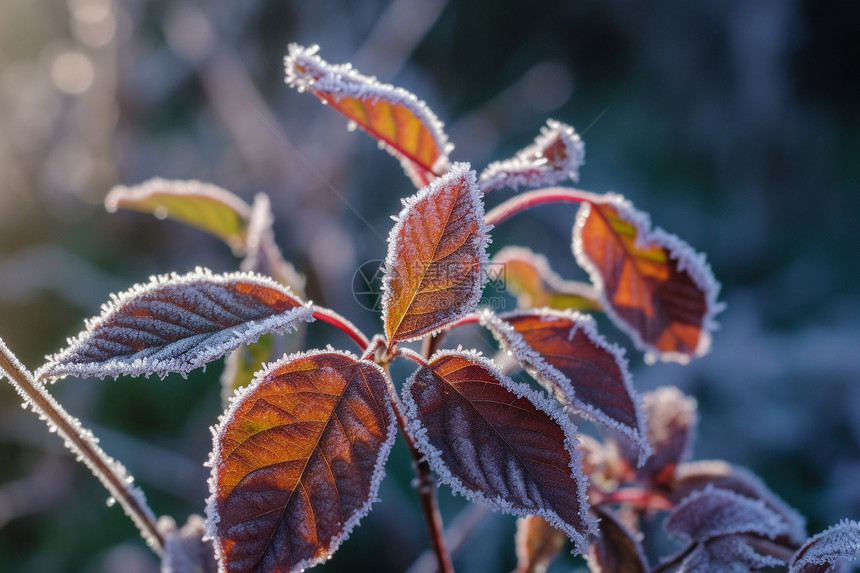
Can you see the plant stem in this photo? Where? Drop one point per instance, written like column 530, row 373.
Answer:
column 525, row 201
column 84, row 445
column 333, row 318
column 640, row 498
column 425, row 484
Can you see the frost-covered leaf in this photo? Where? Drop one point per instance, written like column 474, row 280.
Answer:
column 528, row 276
column 616, row 549
column 728, row 554
column 713, row 512
column 297, row 461
column 824, row 552
column 262, row 254
column 652, row 285
column 185, row 550
column 556, row 155
column 671, row 424
column 695, row 476
column 437, row 257
column 492, row 439
column 537, row 543
column 202, row 205
column 176, row 324
column 402, row 123
column 564, row 352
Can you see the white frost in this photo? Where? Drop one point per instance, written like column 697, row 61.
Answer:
column 531, row 168
column 306, row 70
column 107, row 346
column 840, row 542
column 695, row 264
column 436, row 460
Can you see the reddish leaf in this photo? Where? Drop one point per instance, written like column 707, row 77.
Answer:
column 564, row 352
column 176, row 324
column 671, row 421
column 402, row 123
column 824, row 552
column 297, row 461
column 529, row 277
column 615, row 550
column 712, row 512
column 202, row 205
column 538, row 544
column 695, row 476
column 492, row 439
column 652, row 284
column 556, row 155
column 437, row 256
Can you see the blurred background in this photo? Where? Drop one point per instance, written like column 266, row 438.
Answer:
column 735, row 124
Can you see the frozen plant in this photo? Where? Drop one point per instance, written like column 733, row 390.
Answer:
column 300, row 451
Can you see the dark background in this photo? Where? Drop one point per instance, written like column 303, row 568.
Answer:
column 735, row 124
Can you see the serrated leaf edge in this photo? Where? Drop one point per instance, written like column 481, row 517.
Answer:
column 538, row 368
column 552, row 409
column 217, row 431
column 695, row 264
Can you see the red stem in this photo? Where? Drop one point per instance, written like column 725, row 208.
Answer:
column 412, row 355
column 470, row 318
column 528, row 200
column 333, row 318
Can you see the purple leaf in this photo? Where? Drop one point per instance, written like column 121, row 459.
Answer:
column 824, row 552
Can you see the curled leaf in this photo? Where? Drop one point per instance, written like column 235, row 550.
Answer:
column 652, row 285
column 538, row 544
column 297, row 461
column 401, row 122
column 437, row 257
column 564, row 352
column 556, row 155
column 824, row 552
column 528, row 276
column 202, row 205
column 713, row 512
column 616, row 549
column 492, row 439
column 176, row 324
column 695, row 476
column 262, row 254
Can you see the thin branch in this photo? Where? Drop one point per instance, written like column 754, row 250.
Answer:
column 528, row 200
column 84, row 445
column 333, row 318
column 456, row 534
column 413, row 356
column 425, row 484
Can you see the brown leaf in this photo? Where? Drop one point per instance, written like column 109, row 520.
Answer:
column 402, row 123
column 652, row 284
column 297, row 461
column 437, row 257
column 615, row 550
column 176, row 324
column 492, row 439
column 564, row 352
column 538, row 544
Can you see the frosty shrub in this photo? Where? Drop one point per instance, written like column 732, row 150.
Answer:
column 301, row 448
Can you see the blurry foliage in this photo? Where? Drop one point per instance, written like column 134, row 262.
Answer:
column 737, row 121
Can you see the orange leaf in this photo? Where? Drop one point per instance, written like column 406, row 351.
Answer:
column 498, row 441
column 437, row 257
column 400, row 121
column 538, row 544
column 564, row 352
column 652, row 284
column 528, row 276
column 297, row 461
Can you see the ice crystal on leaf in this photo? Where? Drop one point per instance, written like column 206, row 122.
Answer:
column 402, row 123
column 176, row 324
column 498, row 441
column 556, row 155
column 297, row 461
column 437, row 257
column 824, row 552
